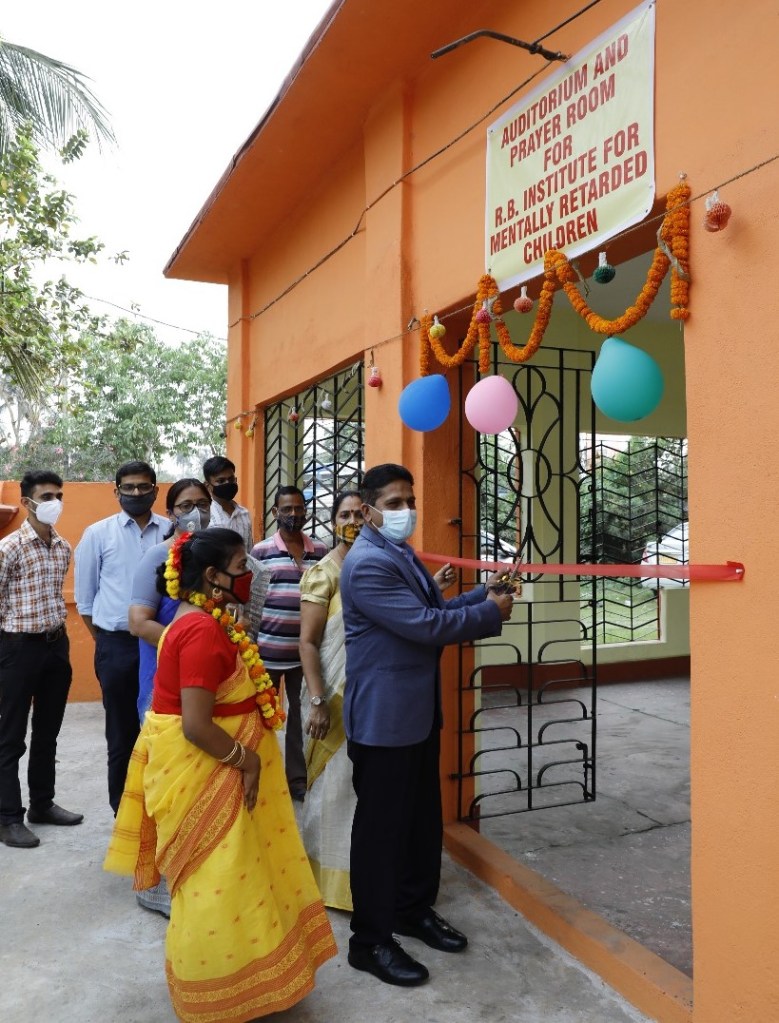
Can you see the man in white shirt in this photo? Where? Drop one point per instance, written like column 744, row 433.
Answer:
column 222, row 484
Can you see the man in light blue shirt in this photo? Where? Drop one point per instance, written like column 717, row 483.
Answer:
column 106, row 559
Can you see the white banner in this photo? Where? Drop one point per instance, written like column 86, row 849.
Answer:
column 573, row 164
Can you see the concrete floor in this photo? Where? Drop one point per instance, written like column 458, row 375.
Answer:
column 627, row 854
column 75, row 948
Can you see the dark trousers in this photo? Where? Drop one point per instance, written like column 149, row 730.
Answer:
column 294, row 761
column 116, row 666
column 37, row 674
column 396, row 836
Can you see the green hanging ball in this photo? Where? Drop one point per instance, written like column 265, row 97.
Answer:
column 604, row 273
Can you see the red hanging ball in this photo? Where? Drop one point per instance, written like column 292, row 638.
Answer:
column 523, row 304
column 374, row 380
column 717, row 213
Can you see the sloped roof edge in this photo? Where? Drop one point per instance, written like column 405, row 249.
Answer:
column 313, row 42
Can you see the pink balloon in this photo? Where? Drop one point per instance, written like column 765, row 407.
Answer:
column 491, row 406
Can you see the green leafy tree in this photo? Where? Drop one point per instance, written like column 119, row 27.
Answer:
column 45, row 100
column 41, row 324
column 128, row 396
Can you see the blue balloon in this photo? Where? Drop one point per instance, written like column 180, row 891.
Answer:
column 627, row 384
column 424, row 404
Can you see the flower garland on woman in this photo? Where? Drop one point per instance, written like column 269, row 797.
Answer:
column 268, row 700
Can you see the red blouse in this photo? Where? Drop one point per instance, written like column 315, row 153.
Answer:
column 196, row 652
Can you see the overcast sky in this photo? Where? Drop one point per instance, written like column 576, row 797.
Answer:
column 184, row 86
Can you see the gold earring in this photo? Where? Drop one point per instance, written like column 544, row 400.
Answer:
column 216, row 595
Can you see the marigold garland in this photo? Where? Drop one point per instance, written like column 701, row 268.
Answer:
column 268, row 700
column 673, row 238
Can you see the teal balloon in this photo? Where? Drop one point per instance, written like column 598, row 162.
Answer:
column 627, row 384
column 424, row 404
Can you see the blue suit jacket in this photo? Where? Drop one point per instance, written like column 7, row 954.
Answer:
column 395, row 630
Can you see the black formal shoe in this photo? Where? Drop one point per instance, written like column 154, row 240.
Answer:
column 54, row 815
column 18, row 836
column 389, row 962
column 434, row 931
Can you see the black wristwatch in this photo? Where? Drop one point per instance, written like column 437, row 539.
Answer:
column 317, row 701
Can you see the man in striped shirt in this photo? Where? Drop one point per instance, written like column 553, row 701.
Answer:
column 285, row 556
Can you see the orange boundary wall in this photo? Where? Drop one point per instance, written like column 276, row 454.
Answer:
column 84, row 503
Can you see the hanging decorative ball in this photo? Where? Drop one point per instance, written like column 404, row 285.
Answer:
column 424, row 404
column 717, row 213
column 604, row 272
column 250, row 432
column 627, row 384
column 325, row 404
column 491, row 405
column 237, row 425
column 484, row 315
column 438, row 330
column 374, row 380
column 292, row 415
column 523, row 304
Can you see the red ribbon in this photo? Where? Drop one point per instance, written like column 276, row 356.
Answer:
column 730, row 572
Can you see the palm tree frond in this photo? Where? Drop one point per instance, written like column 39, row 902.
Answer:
column 49, row 95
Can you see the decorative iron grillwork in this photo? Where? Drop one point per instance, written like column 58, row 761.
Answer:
column 527, row 710
column 636, row 493
column 315, row 440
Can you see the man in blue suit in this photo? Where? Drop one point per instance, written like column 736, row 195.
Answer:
column 396, row 624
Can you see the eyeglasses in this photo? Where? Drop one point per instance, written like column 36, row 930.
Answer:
column 186, row 506
column 135, row 488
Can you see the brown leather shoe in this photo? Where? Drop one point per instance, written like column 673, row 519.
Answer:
column 18, row 836
column 54, row 815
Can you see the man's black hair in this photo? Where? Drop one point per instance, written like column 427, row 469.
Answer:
column 379, row 477
column 34, row 477
column 215, row 465
column 135, row 469
column 284, row 491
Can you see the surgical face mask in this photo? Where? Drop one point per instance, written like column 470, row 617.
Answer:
column 225, row 491
column 347, row 532
column 137, row 505
column 398, row 525
column 291, row 523
column 47, row 512
column 193, row 520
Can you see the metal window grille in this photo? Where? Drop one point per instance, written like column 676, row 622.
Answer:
column 635, row 493
column 315, row 440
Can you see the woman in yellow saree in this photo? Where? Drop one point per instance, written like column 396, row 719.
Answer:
column 206, row 804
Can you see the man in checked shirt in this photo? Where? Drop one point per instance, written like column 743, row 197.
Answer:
column 34, row 659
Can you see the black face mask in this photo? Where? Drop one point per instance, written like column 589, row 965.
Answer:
column 291, row 523
column 225, row 491
column 137, row 505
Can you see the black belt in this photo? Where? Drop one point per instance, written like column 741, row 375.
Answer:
column 47, row 637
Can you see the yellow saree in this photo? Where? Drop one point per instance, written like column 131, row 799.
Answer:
column 325, row 818
column 247, row 927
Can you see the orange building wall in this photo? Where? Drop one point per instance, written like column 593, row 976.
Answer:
column 422, row 246
column 83, row 504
